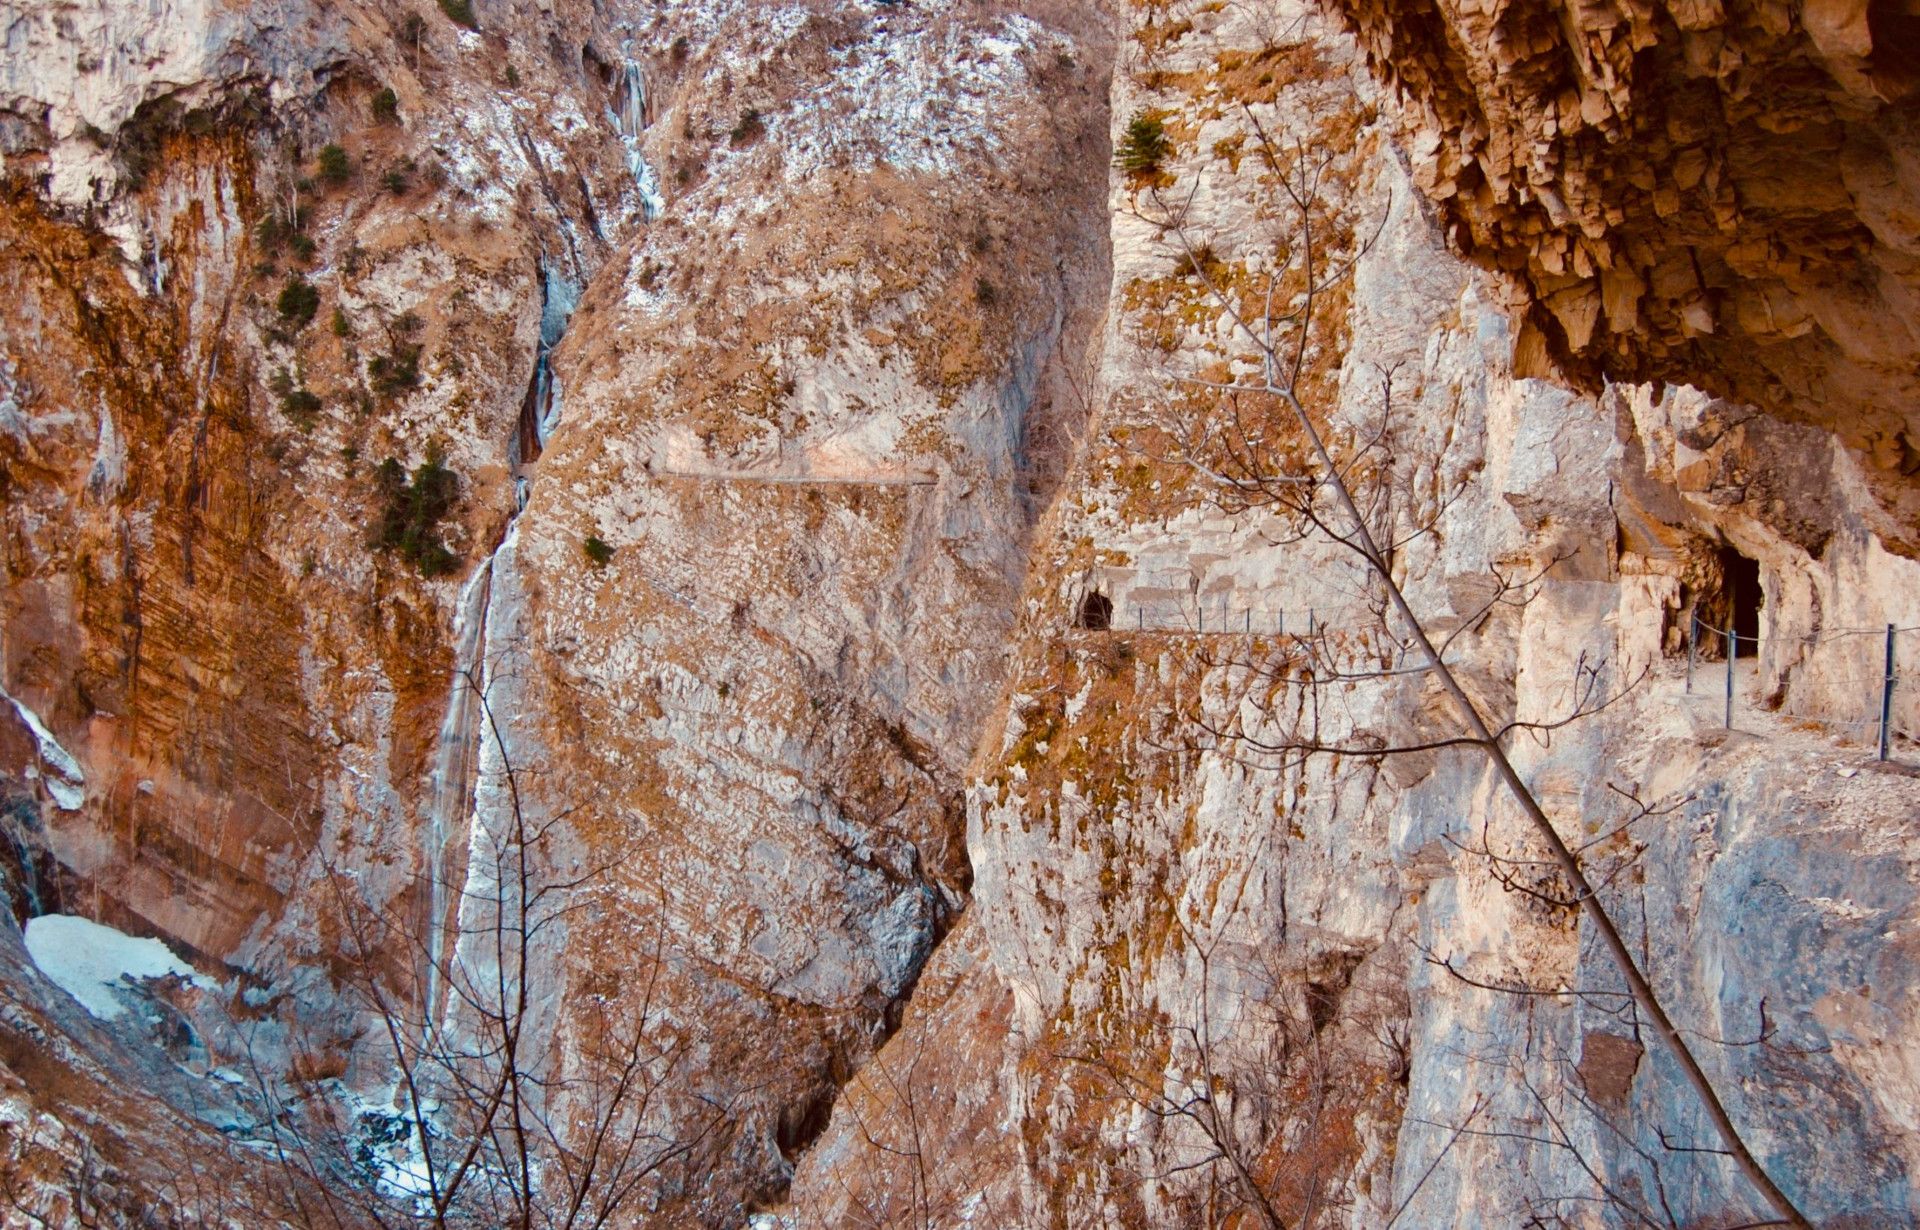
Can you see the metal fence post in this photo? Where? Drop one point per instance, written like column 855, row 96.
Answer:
column 1693, row 643
column 1140, row 618
column 1249, row 621
column 1733, row 648
column 1310, row 621
column 1200, row 609
column 1283, row 623
column 1886, row 700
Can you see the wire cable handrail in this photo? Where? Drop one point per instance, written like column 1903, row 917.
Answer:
column 1751, row 638
column 1886, row 677
column 1320, row 623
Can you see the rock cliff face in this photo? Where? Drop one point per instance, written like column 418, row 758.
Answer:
column 798, row 514
column 1241, row 988
column 1719, row 194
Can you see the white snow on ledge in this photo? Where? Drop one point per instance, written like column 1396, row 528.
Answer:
column 67, row 782
column 89, row 960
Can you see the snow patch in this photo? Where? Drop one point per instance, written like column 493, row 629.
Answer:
column 93, row 962
column 929, row 101
column 109, row 461
column 386, row 1143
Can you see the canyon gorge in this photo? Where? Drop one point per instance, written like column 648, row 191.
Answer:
column 737, row 613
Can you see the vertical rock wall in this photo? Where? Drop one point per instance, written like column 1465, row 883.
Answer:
column 1233, row 986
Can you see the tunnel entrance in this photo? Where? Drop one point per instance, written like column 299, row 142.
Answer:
column 1741, row 588
column 1096, row 612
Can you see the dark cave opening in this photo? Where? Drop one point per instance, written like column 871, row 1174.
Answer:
column 1096, row 612
column 1740, row 587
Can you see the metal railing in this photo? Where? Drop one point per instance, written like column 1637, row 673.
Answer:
column 1879, row 684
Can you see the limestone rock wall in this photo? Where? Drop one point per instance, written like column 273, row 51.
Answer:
column 1237, row 986
column 783, row 308
column 804, row 368
column 1721, row 194
column 812, row 413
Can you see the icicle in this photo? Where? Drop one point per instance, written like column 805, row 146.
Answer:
column 631, row 124
column 64, row 779
column 461, row 754
column 454, row 759
column 550, row 408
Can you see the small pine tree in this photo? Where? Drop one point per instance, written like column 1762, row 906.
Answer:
column 411, row 511
column 396, row 372
column 335, row 168
column 1144, row 146
column 299, row 403
column 598, row 552
column 460, row 13
column 386, row 106
column 302, row 408
column 298, row 302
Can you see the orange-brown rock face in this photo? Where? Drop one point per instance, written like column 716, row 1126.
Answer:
column 142, row 609
column 702, row 435
column 1723, row 194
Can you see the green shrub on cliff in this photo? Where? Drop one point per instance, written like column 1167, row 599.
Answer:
column 1144, row 145
column 300, row 404
column 298, row 302
column 396, row 372
column 411, row 510
column 334, row 165
column 386, row 106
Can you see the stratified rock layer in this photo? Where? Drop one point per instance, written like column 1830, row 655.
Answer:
column 1242, row 987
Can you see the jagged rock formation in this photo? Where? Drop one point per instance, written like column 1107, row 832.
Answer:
column 768, row 387
column 1721, row 194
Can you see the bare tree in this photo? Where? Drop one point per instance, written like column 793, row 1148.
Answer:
column 1272, row 451
column 493, row 1123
